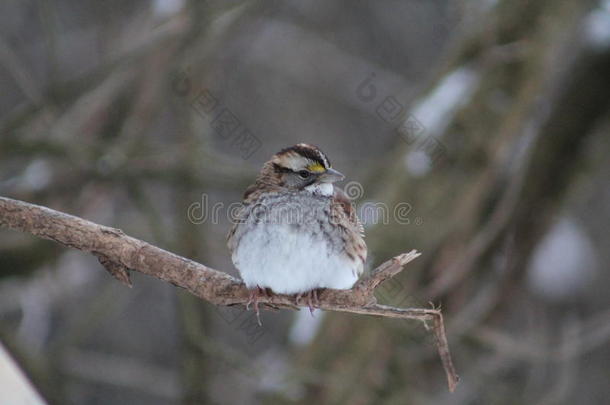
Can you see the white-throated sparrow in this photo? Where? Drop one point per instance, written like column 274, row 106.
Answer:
column 296, row 232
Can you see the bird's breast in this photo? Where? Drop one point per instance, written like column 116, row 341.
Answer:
column 291, row 245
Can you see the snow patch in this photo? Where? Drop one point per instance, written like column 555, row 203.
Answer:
column 597, row 26
column 305, row 327
column 167, row 8
column 418, row 163
column 438, row 108
column 563, row 264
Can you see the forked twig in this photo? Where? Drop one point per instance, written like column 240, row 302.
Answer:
column 120, row 253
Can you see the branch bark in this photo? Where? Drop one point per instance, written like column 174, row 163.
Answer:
column 120, row 253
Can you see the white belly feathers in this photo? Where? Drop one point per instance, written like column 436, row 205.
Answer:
column 295, row 255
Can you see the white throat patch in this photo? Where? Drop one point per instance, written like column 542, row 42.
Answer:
column 325, row 189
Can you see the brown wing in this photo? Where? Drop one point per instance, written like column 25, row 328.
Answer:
column 251, row 194
column 345, row 213
column 344, row 203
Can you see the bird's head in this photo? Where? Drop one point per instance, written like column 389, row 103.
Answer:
column 299, row 167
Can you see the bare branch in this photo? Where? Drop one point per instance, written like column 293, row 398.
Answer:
column 387, row 270
column 120, row 253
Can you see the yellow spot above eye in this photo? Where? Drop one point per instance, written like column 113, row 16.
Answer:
column 316, row 168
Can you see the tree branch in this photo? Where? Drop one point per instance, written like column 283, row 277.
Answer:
column 120, row 253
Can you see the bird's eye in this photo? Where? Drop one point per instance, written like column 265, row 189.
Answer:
column 304, row 174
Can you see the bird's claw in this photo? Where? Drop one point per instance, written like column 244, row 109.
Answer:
column 253, row 299
column 312, row 299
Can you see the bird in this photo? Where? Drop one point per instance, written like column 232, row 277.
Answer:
column 296, row 232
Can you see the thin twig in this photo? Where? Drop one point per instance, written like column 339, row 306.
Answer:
column 387, row 270
column 120, row 253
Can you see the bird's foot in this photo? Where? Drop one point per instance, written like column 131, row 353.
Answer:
column 316, row 299
column 312, row 299
column 253, row 299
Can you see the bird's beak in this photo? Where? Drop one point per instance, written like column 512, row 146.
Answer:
column 330, row 176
